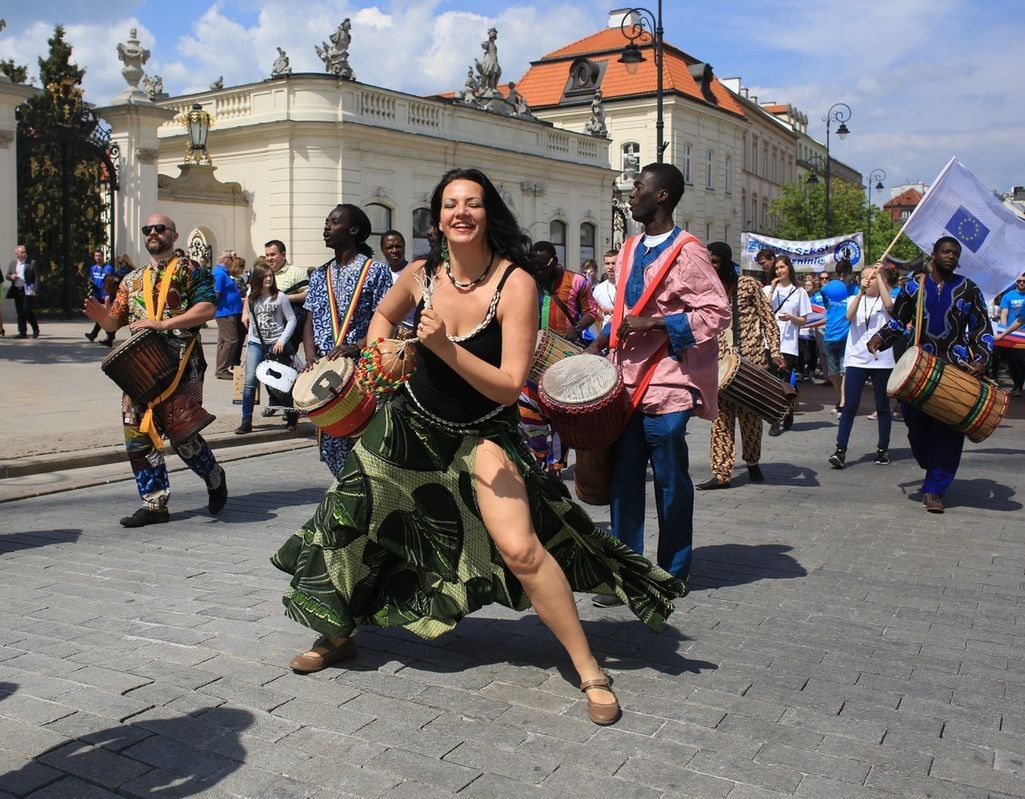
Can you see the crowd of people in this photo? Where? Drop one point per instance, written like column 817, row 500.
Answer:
column 452, row 497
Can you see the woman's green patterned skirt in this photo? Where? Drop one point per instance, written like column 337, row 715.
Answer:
column 398, row 539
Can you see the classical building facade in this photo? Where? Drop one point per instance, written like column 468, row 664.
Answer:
column 296, row 145
column 705, row 126
column 769, row 159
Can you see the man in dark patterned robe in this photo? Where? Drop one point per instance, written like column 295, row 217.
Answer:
column 957, row 330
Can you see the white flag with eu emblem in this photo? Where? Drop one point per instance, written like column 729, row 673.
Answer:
column 992, row 236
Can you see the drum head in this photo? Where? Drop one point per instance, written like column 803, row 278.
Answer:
column 902, row 369
column 728, row 363
column 321, row 384
column 123, row 347
column 276, row 375
column 580, row 380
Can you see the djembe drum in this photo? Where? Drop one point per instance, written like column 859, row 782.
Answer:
column 333, row 399
column 749, row 387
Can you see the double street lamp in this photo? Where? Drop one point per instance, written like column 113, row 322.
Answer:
column 635, row 23
column 876, row 176
column 840, row 113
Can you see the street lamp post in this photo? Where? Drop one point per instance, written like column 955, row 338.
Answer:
column 838, row 112
column 632, row 58
column 877, row 176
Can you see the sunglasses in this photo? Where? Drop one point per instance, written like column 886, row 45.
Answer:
column 158, row 229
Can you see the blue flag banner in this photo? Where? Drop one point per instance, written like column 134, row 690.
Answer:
column 992, row 236
column 966, row 228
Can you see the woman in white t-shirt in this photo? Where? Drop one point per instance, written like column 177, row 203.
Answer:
column 791, row 306
column 868, row 311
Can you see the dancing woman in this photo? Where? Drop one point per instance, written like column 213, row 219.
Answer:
column 791, row 305
column 440, row 508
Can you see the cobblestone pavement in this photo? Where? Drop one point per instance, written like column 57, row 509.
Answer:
column 838, row 642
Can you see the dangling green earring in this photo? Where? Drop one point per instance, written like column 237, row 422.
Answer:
column 444, row 248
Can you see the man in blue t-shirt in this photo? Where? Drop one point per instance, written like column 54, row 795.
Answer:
column 1012, row 305
column 835, row 294
column 228, row 315
column 97, row 276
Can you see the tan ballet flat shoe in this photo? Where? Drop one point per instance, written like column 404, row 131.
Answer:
column 322, row 655
column 600, row 713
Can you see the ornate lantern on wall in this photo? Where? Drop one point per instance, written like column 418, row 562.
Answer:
column 197, row 124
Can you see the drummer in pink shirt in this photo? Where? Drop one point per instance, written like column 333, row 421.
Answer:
column 672, row 336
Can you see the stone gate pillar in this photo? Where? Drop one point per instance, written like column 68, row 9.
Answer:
column 133, row 127
column 11, row 96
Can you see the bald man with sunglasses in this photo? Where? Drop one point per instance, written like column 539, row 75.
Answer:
column 173, row 296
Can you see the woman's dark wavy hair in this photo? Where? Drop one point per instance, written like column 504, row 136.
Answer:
column 504, row 234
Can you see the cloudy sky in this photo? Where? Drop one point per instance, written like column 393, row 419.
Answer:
column 926, row 79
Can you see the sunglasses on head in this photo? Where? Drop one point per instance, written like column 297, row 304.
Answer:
column 158, row 229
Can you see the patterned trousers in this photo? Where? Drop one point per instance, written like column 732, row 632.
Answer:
column 723, row 446
column 148, row 462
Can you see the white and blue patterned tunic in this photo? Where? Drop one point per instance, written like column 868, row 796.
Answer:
column 345, row 279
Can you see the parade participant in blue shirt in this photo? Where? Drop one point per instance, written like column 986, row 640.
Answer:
column 835, row 294
column 1011, row 306
column 228, row 316
column 98, row 273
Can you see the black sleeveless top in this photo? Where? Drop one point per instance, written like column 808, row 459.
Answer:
column 439, row 390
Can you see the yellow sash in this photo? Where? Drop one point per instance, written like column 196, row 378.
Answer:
column 147, row 425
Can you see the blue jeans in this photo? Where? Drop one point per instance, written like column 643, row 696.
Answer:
column 255, row 355
column 854, row 383
column 662, row 440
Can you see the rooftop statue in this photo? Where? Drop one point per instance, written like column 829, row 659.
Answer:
column 596, row 124
column 488, row 69
column 133, row 55
column 336, row 54
column 281, row 65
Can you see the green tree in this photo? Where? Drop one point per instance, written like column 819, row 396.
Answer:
column 17, row 73
column 799, row 212
column 56, row 151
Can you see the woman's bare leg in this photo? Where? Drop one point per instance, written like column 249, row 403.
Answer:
column 502, row 498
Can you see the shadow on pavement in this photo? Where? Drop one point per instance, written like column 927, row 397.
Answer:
column 30, row 539
column 6, row 689
column 737, row 564
column 788, row 474
column 804, row 426
column 178, row 757
column 980, row 492
column 254, row 507
column 525, row 641
column 41, row 350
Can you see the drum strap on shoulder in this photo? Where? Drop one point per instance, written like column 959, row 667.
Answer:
column 147, row 425
column 341, row 326
column 629, row 247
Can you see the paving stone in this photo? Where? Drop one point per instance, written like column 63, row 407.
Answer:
column 72, row 788
column 94, row 764
column 495, row 786
column 358, row 780
column 817, row 762
column 531, row 768
column 28, row 740
column 98, row 730
column 20, row 776
column 738, row 769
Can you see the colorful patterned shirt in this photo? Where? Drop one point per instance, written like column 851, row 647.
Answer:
column 190, row 285
column 575, row 293
column 957, row 326
column 345, row 279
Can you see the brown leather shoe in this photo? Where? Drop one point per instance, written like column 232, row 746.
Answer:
column 599, row 713
column 322, row 655
column 932, row 503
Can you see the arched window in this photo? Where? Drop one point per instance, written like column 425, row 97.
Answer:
column 421, row 223
column 380, row 218
column 586, row 241
column 557, row 236
column 631, row 158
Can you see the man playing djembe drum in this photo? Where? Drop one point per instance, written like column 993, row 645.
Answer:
column 956, row 330
column 752, row 332
column 173, row 296
column 670, row 308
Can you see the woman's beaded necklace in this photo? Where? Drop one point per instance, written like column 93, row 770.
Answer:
column 472, row 283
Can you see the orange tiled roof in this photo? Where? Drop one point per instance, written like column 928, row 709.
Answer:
column 776, row 108
column 545, row 80
column 908, row 197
